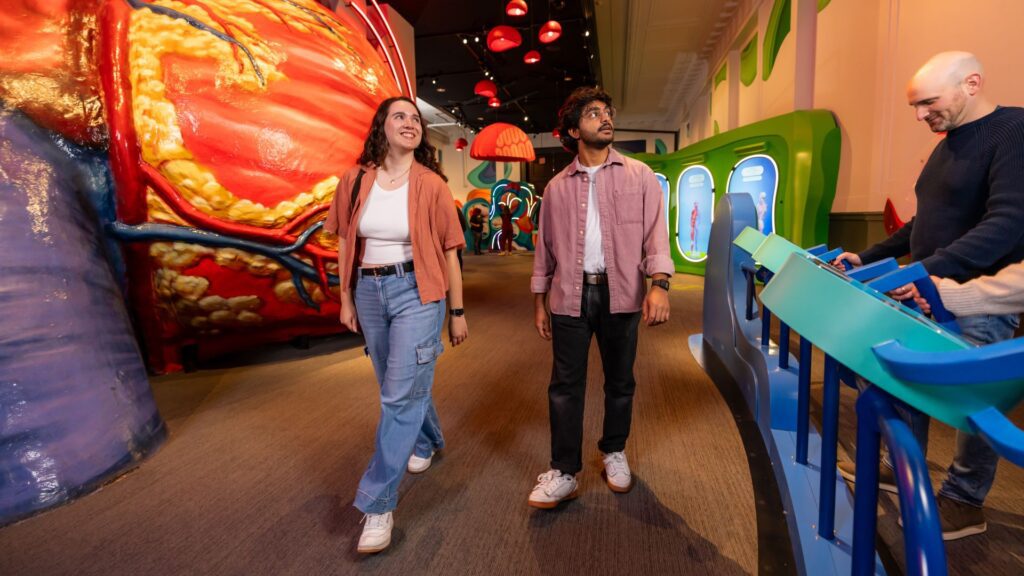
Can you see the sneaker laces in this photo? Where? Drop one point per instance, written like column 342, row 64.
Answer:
column 374, row 521
column 550, row 480
column 615, row 464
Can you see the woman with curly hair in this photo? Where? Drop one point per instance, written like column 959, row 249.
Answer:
column 398, row 235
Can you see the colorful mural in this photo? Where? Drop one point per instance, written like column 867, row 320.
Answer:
column 521, row 200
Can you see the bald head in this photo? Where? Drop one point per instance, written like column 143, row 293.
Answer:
column 946, row 91
column 949, row 68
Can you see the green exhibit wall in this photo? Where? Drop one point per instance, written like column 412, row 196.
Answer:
column 804, row 147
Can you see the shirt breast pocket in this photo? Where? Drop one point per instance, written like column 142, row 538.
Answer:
column 629, row 207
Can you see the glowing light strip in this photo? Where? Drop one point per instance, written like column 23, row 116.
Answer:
column 387, row 55
column 394, row 41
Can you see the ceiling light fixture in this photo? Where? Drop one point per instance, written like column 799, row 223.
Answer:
column 486, row 88
column 461, row 144
column 502, row 38
column 493, row 102
column 531, row 57
column 550, row 31
column 516, row 8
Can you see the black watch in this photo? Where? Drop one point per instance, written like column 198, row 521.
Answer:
column 457, row 312
column 663, row 284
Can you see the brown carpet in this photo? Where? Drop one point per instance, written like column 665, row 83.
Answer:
column 266, row 451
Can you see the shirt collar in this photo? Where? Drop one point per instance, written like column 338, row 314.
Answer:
column 613, row 158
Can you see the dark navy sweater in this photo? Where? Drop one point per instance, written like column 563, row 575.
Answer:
column 970, row 202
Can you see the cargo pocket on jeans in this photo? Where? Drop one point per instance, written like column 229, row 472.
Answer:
column 427, row 353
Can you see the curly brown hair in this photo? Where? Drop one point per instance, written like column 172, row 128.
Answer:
column 570, row 112
column 375, row 147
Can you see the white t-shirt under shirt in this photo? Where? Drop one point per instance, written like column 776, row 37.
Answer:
column 593, row 254
column 384, row 225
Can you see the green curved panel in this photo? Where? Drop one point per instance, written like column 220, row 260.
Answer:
column 805, row 146
column 748, row 62
column 778, row 28
column 721, row 75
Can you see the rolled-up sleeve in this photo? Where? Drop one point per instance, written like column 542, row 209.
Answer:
column 337, row 216
column 657, row 258
column 449, row 231
column 543, row 258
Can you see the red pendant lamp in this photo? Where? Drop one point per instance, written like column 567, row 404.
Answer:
column 556, row 134
column 531, row 57
column 486, row 88
column 494, row 102
column 461, row 144
column 550, row 31
column 516, row 8
column 502, row 38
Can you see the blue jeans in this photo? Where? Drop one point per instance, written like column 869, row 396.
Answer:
column 403, row 339
column 973, row 470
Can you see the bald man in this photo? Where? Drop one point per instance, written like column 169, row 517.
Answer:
column 969, row 223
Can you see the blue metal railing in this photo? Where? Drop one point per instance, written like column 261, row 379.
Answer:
column 922, row 534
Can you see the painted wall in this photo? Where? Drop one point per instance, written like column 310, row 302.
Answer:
column 861, row 55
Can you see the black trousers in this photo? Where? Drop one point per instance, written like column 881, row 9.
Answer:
column 616, row 340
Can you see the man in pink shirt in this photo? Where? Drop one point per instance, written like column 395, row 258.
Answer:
column 602, row 231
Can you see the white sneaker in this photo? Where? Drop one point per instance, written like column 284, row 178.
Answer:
column 376, row 534
column 616, row 472
column 553, row 487
column 417, row 464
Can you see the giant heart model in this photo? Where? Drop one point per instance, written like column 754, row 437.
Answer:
column 228, row 123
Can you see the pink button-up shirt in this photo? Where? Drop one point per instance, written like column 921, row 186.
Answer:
column 634, row 236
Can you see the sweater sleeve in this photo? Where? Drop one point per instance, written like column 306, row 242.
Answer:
column 999, row 294
column 999, row 230
column 895, row 246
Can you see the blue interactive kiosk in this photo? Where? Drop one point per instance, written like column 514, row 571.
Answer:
column 909, row 360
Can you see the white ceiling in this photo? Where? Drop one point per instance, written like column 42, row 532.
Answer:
column 654, row 55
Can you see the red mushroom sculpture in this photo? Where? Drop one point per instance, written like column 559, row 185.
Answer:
column 502, row 142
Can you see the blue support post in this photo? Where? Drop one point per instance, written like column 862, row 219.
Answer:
column 766, row 326
column 829, row 441
column 865, row 504
column 783, row 346
column 749, row 274
column 803, row 401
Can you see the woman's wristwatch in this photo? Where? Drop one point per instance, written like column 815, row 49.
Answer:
column 457, row 312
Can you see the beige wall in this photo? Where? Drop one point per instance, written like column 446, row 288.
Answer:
column 863, row 53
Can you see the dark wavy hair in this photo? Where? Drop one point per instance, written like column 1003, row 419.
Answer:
column 375, row 147
column 570, row 112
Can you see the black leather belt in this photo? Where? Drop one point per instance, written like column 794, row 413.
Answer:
column 386, row 270
column 595, row 279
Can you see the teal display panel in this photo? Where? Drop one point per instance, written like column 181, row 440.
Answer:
column 796, row 157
